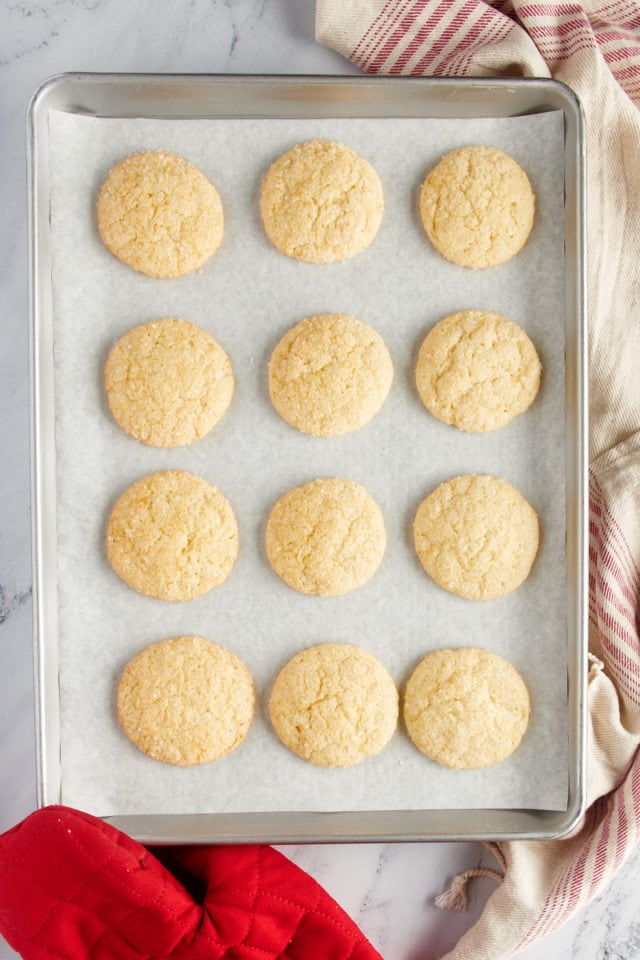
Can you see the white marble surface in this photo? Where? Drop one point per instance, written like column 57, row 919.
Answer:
column 388, row 889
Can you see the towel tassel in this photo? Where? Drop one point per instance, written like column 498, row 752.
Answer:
column 457, row 897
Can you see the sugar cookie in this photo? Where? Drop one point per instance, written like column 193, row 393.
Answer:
column 159, row 214
column 172, row 536
column 476, row 536
column 334, row 704
column 321, row 202
column 466, row 708
column 326, row 537
column 185, row 701
column 329, row 375
column 168, row 382
column 477, row 371
column 477, row 207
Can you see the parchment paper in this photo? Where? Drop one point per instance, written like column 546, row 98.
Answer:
column 247, row 296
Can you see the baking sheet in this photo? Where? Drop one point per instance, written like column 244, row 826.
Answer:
column 247, row 296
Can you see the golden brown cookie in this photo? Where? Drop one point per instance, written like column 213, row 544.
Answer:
column 321, row 202
column 329, row 375
column 466, row 708
column 185, row 701
column 172, row 536
column 477, row 207
column 477, row 371
column 334, row 704
column 326, row 537
column 476, row 536
column 159, row 214
column 168, row 382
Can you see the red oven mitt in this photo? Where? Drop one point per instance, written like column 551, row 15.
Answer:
column 73, row 887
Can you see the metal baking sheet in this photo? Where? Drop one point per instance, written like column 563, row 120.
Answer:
column 298, row 101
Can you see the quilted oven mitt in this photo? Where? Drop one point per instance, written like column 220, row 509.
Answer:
column 73, row 887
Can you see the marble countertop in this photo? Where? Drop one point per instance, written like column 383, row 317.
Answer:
column 388, row 888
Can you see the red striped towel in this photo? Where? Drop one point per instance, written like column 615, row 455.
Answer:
column 594, row 47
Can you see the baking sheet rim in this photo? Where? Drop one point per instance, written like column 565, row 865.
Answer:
column 308, row 826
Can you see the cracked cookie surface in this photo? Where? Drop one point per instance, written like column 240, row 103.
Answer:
column 168, row 382
column 466, row 708
column 334, row 705
column 329, row 375
column 476, row 536
column 185, row 701
column 477, row 207
column 159, row 214
column 326, row 537
column 172, row 536
column 321, row 202
column 477, row 371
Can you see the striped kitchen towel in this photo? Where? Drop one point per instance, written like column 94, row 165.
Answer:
column 593, row 47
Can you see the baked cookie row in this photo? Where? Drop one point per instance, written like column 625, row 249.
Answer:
column 168, row 382
column 188, row 701
column 173, row 536
column 320, row 202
